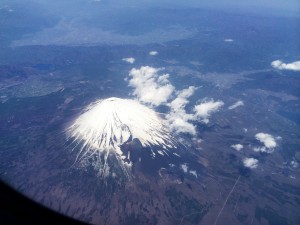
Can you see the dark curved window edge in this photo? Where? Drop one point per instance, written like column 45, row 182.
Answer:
column 16, row 208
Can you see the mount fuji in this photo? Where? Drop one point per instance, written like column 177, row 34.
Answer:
column 120, row 130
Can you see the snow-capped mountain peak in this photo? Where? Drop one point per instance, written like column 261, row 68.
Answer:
column 107, row 124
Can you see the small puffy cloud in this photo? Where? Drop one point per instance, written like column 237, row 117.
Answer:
column 184, row 167
column 251, row 163
column 179, row 120
column 194, row 173
column 267, row 139
column 237, row 147
column 228, row 40
column 149, row 87
column 235, row 105
column 294, row 164
column 204, row 110
column 263, row 149
column 153, row 53
column 278, row 64
column 179, row 124
column 181, row 100
column 129, row 60
column 269, row 143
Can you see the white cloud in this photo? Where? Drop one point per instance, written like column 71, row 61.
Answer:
column 193, row 172
column 250, row 163
column 204, row 110
column 178, row 118
column 268, row 140
column 278, row 64
column 294, row 164
column 181, row 100
column 153, row 53
column 149, row 87
column 184, row 167
column 154, row 89
column 228, row 40
column 129, row 60
column 235, row 105
column 179, row 124
column 237, row 147
column 263, row 149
